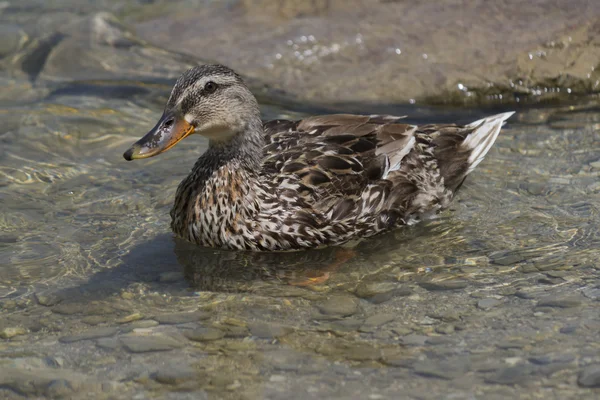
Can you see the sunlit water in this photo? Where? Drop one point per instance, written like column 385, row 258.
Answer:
column 425, row 311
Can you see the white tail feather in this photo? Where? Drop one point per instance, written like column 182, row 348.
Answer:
column 483, row 137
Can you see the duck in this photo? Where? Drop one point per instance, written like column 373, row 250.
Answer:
column 325, row 180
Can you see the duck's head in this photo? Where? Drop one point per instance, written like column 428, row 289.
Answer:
column 211, row 100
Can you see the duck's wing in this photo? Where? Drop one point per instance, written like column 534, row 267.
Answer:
column 328, row 157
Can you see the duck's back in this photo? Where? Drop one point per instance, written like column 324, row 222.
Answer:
column 355, row 176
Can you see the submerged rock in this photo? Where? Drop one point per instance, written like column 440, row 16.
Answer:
column 478, row 52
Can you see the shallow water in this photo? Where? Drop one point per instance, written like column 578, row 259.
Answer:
column 497, row 298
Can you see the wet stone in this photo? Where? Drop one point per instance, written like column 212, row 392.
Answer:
column 414, row 340
column 11, row 332
column 443, row 285
column 442, row 370
column 361, row 352
column 59, row 388
column 181, row 318
column 40, row 382
column 380, row 292
column 512, row 344
column 94, row 319
column 402, row 330
column 342, row 326
column 142, row 324
column 204, row 334
column 439, row 341
column 129, row 318
column 590, row 376
column 174, row 375
column 526, row 295
column 511, row 375
column 48, row 299
column 283, row 360
column 545, row 359
column 592, row 292
column 340, row 306
column 108, row 343
column 68, row 309
column 445, row 329
column 236, row 332
column 488, row 303
column 565, row 302
column 91, row 334
column 568, row 329
column 143, row 344
column 428, row 321
column 550, row 281
column 507, row 258
column 265, row 330
column 378, row 320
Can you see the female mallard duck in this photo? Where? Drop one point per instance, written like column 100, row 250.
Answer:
column 324, row 180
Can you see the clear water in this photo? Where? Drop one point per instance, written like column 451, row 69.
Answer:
column 79, row 223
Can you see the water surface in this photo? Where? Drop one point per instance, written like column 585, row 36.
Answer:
column 496, row 298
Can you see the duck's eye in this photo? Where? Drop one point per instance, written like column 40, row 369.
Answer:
column 210, row 87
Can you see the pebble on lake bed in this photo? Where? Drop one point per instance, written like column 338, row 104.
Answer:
column 10, row 332
column 340, row 305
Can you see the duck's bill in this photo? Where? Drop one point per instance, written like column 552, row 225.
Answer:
column 169, row 131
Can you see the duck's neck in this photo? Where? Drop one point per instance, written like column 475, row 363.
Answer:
column 244, row 146
column 242, row 150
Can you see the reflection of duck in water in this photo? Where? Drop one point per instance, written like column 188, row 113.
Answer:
column 226, row 270
column 323, row 180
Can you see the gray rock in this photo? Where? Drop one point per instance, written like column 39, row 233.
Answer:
column 556, row 358
column 378, row 320
column 48, row 299
column 512, row 344
column 143, row 344
column 236, row 332
column 339, row 305
column 443, row 285
column 204, row 334
column 12, row 37
column 59, row 388
column 568, row 329
column 182, row 317
column 380, row 292
column 129, row 318
column 445, row 66
column 68, row 308
column 88, row 335
column 486, row 304
column 362, row 352
column 414, row 340
column 445, row 329
column 507, row 258
column 142, row 324
column 12, row 331
column 284, row 360
column 591, row 292
column 174, row 375
column 42, row 382
column 590, row 376
column 94, row 319
column 266, row 330
column 442, row 370
column 565, row 302
column 108, row 343
column 439, row 340
column 511, row 375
